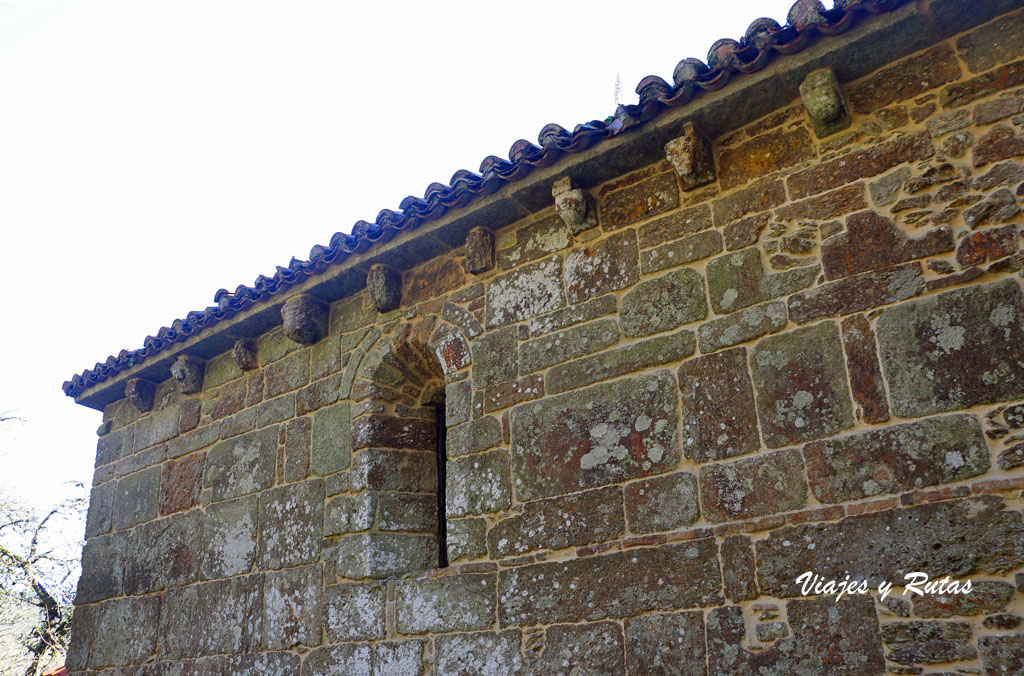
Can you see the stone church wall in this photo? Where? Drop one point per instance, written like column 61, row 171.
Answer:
column 659, row 407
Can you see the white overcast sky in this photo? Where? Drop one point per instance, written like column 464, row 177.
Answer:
column 154, row 152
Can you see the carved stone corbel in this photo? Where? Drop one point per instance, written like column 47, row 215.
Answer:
column 305, row 319
column 576, row 207
column 691, row 157
column 244, row 353
column 825, row 103
column 140, row 394
column 384, row 285
column 188, row 373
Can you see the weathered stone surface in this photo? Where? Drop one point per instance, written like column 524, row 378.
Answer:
column 669, row 644
column 297, row 433
column 1012, row 457
column 923, row 642
column 102, row 569
column 763, row 155
column 860, row 164
column 987, row 245
column 304, row 319
column 473, row 437
column 244, row 352
column 286, row 374
column 525, row 292
column 229, row 531
column 331, row 441
column 999, row 207
column 690, row 155
column 674, row 226
column 825, row 103
column 801, row 385
column 263, row 664
column 164, row 553
column 829, row 639
column 738, row 280
column 905, row 80
column 136, row 498
column 755, row 198
column 577, row 341
column 434, row 278
column 649, row 197
column 354, row 612
column 180, row 482
column 504, row 395
column 242, row 465
column 744, row 232
column 872, row 242
column 139, row 394
column 556, row 523
column 993, row 44
column 350, row 513
column 391, row 431
column 291, row 524
column 954, row 350
column 751, row 487
column 188, row 373
column 738, row 572
column 718, row 406
column 444, row 604
column 956, row 538
column 985, row 597
column 478, row 484
column 100, row 517
column 384, row 555
column 857, row 293
column 467, row 539
column 479, row 251
column 998, row 109
column 539, row 239
column 479, row 654
column 661, row 304
column 866, row 382
column 962, row 93
column 604, row 434
column 899, row 458
column 661, row 503
column 292, row 608
column 1002, row 654
column 153, row 429
column 596, row 269
column 387, row 470
column 740, row 327
column 575, row 314
column 125, row 632
column 203, row 619
column 407, row 512
column 622, row 584
column 1000, row 143
column 384, row 287
column 680, row 252
column 595, row 648
column 620, row 361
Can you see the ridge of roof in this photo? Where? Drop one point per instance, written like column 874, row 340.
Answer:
column 691, row 76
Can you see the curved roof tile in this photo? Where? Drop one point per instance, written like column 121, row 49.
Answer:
column 691, row 76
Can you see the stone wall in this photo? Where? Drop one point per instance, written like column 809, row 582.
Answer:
column 660, row 406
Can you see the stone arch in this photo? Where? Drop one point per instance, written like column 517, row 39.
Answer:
column 398, row 447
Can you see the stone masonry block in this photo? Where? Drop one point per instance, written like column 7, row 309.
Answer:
column 354, row 612
column 954, row 350
column 291, row 524
column 478, row 484
column 899, row 458
column 556, row 523
column 718, row 406
column 292, row 608
column 662, row 503
column 242, row 465
column 495, row 357
column 162, row 554
column 663, row 303
column 752, row 487
column 136, row 498
column 331, row 442
column 525, row 292
column 126, row 632
column 445, row 604
column 738, row 280
column 479, row 654
column 802, row 386
column 669, row 644
column 384, row 555
column 609, row 265
column 229, row 531
column 603, row 434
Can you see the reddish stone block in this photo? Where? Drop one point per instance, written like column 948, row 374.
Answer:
column 570, row 521
column 504, row 395
column 830, row 205
column 801, row 385
column 872, row 242
column 764, row 484
column 609, row 265
column 987, row 245
column 649, row 197
column 992, row 82
column 662, row 503
column 866, row 382
column 860, row 164
column 180, row 483
column 986, row 597
column 432, row 279
column 763, row 155
column 905, row 80
column 670, row 644
column 675, row 225
column 718, row 406
column 744, row 232
column 857, row 293
column 387, row 431
column 738, row 568
column 755, row 198
column 1000, row 143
